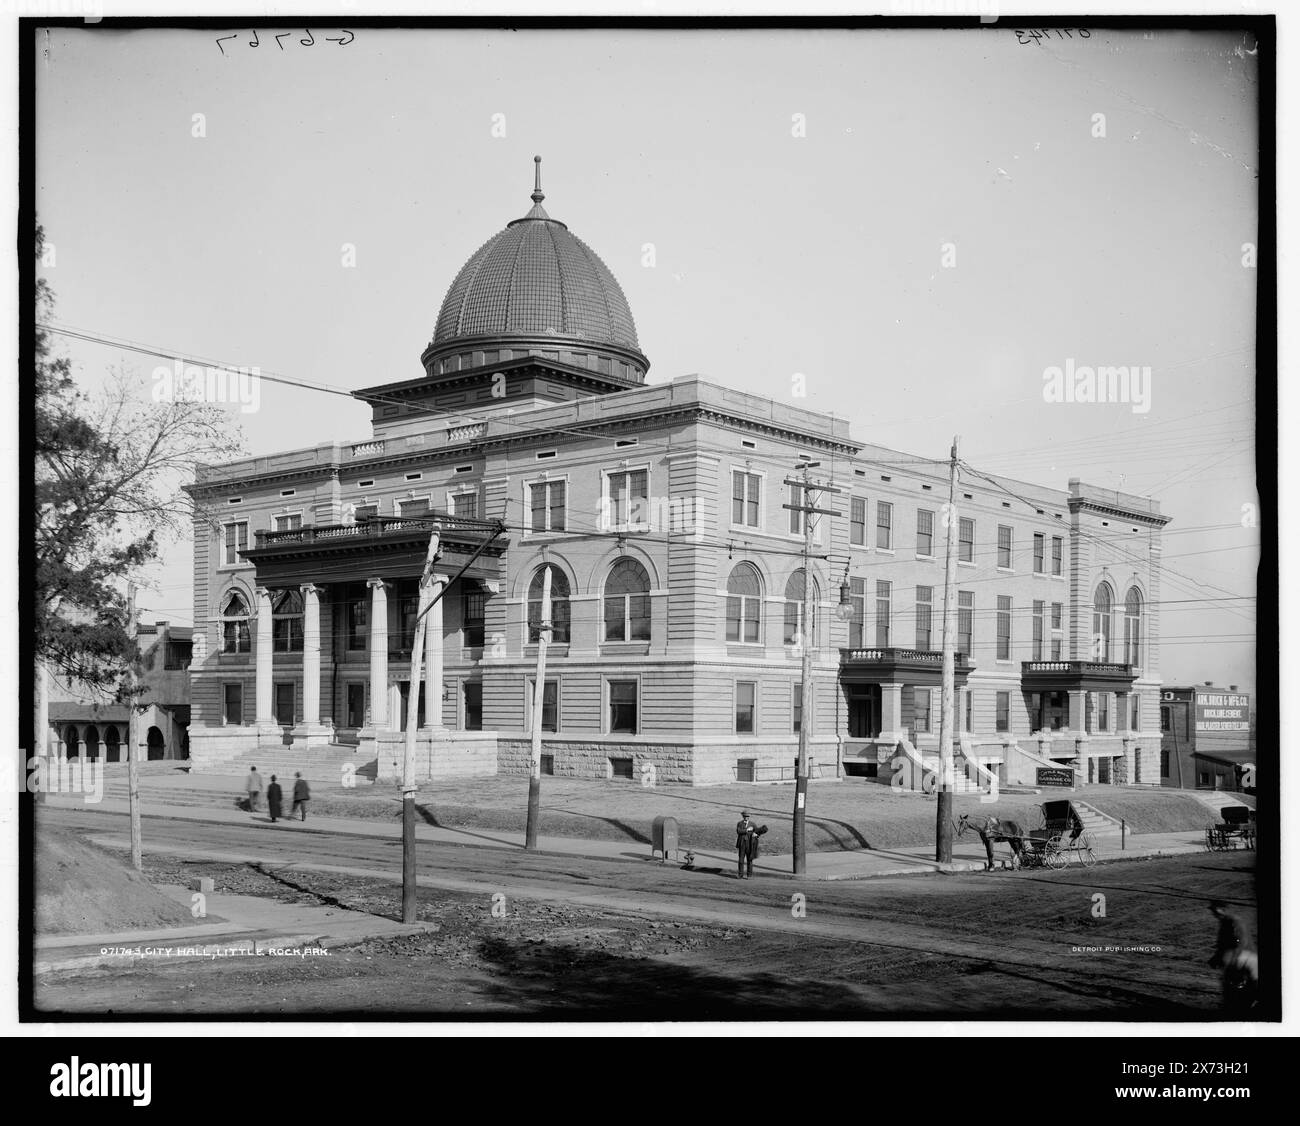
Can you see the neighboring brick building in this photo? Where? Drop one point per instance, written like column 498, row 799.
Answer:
column 1206, row 741
column 83, row 724
column 677, row 571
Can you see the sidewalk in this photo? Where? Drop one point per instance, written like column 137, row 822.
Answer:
column 239, row 926
column 857, row 864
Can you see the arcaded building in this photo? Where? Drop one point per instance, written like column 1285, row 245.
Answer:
column 531, row 438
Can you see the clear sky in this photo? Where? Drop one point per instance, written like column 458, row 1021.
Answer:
column 948, row 225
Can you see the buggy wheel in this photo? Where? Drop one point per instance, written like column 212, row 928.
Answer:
column 1054, row 854
column 1083, row 846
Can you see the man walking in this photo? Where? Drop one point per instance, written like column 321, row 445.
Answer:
column 301, row 796
column 253, row 784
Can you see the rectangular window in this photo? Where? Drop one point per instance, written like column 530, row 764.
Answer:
column 746, row 694
column 1040, row 547
column 921, row 701
column 465, row 504
column 235, row 637
column 858, row 521
column 1004, row 627
column 1004, row 711
column 473, row 697
column 236, row 540
column 623, row 707
column 1058, row 612
column 1103, row 711
column 924, row 601
column 365, row 512
column 1135, row 710
column 966, row 539
column 627, row 499
column 233, row 710
column 796, row 707
column 286, row 635
column 357, row 631
column 1058, row 555
column 965, row 620
column 284, row 699
column 745, row 497
column 1166, row 724
column 546, row 505
column 288, row 523
column 550, row 704
column 548, row 764
column 1056, row 649
column 924, row 532
column 858, row 623
column 970, row 696
column 622, row 767
column 883, row 614
column 1038, row 632
column 414, row 508
column 745, row 769
column 475, row 606
column 1004, row 546
column 884, row 525
column 179, row 654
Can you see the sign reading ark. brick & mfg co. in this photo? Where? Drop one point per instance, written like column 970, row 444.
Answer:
column 1222, row 711
column 1055, row 776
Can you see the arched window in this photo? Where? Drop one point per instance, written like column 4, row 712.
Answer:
column 1101, row 611
column 92, row 742
column 627, row 602
column 1133, row 627
column 794, row 594
column 286, row 622
column 744, row 604
column 71, row 745
column 234, row 624
column 559, row 605
column 112, row 744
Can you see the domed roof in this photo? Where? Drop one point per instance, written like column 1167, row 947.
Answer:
column 536, row 279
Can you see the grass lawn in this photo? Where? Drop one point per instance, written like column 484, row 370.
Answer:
column 841, row 815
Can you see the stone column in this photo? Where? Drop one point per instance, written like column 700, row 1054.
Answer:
column 378, row 654
column 310, row 655
column 433, row 666
column 1078, row 711
column 265, row 716
column 891, row 712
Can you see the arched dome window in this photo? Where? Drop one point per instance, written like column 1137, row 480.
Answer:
column 627, row 602
column 559, row 605
column 744, row 604
column 794, row 595
column 1133, row 627
column 234, row 624
column 1102, row 604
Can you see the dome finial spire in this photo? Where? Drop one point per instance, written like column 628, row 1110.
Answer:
column 537, row 196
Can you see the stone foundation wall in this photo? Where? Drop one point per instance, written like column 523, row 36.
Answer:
column 454, row 754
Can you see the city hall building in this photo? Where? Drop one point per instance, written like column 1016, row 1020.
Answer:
column 532, row 440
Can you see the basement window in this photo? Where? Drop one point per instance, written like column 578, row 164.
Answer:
column 621, row 768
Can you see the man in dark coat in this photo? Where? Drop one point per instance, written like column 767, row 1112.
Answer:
column 747, row 834
column 273, row 798
column 301, row 795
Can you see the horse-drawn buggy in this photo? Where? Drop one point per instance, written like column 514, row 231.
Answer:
column 1237, row 828
column 1058, row 838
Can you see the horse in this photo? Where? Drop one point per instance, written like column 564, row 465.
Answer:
column 995, row 829
column 1236, row 956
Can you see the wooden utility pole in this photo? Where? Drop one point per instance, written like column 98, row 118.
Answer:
column 132, row 736
column 808, row 509
column 943, row 815
column 539, row 700
column 41, row 736
column 412, row 725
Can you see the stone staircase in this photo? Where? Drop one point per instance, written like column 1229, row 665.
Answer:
column 325, row 765
column 1102, row 826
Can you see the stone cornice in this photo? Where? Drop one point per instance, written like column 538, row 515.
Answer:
column 1081, row 504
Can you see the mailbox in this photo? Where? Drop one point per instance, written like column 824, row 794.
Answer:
column 663, row 837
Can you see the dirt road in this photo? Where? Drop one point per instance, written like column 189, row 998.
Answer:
column 576, row 937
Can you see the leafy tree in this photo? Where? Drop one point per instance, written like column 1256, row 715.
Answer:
column 108, row 469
